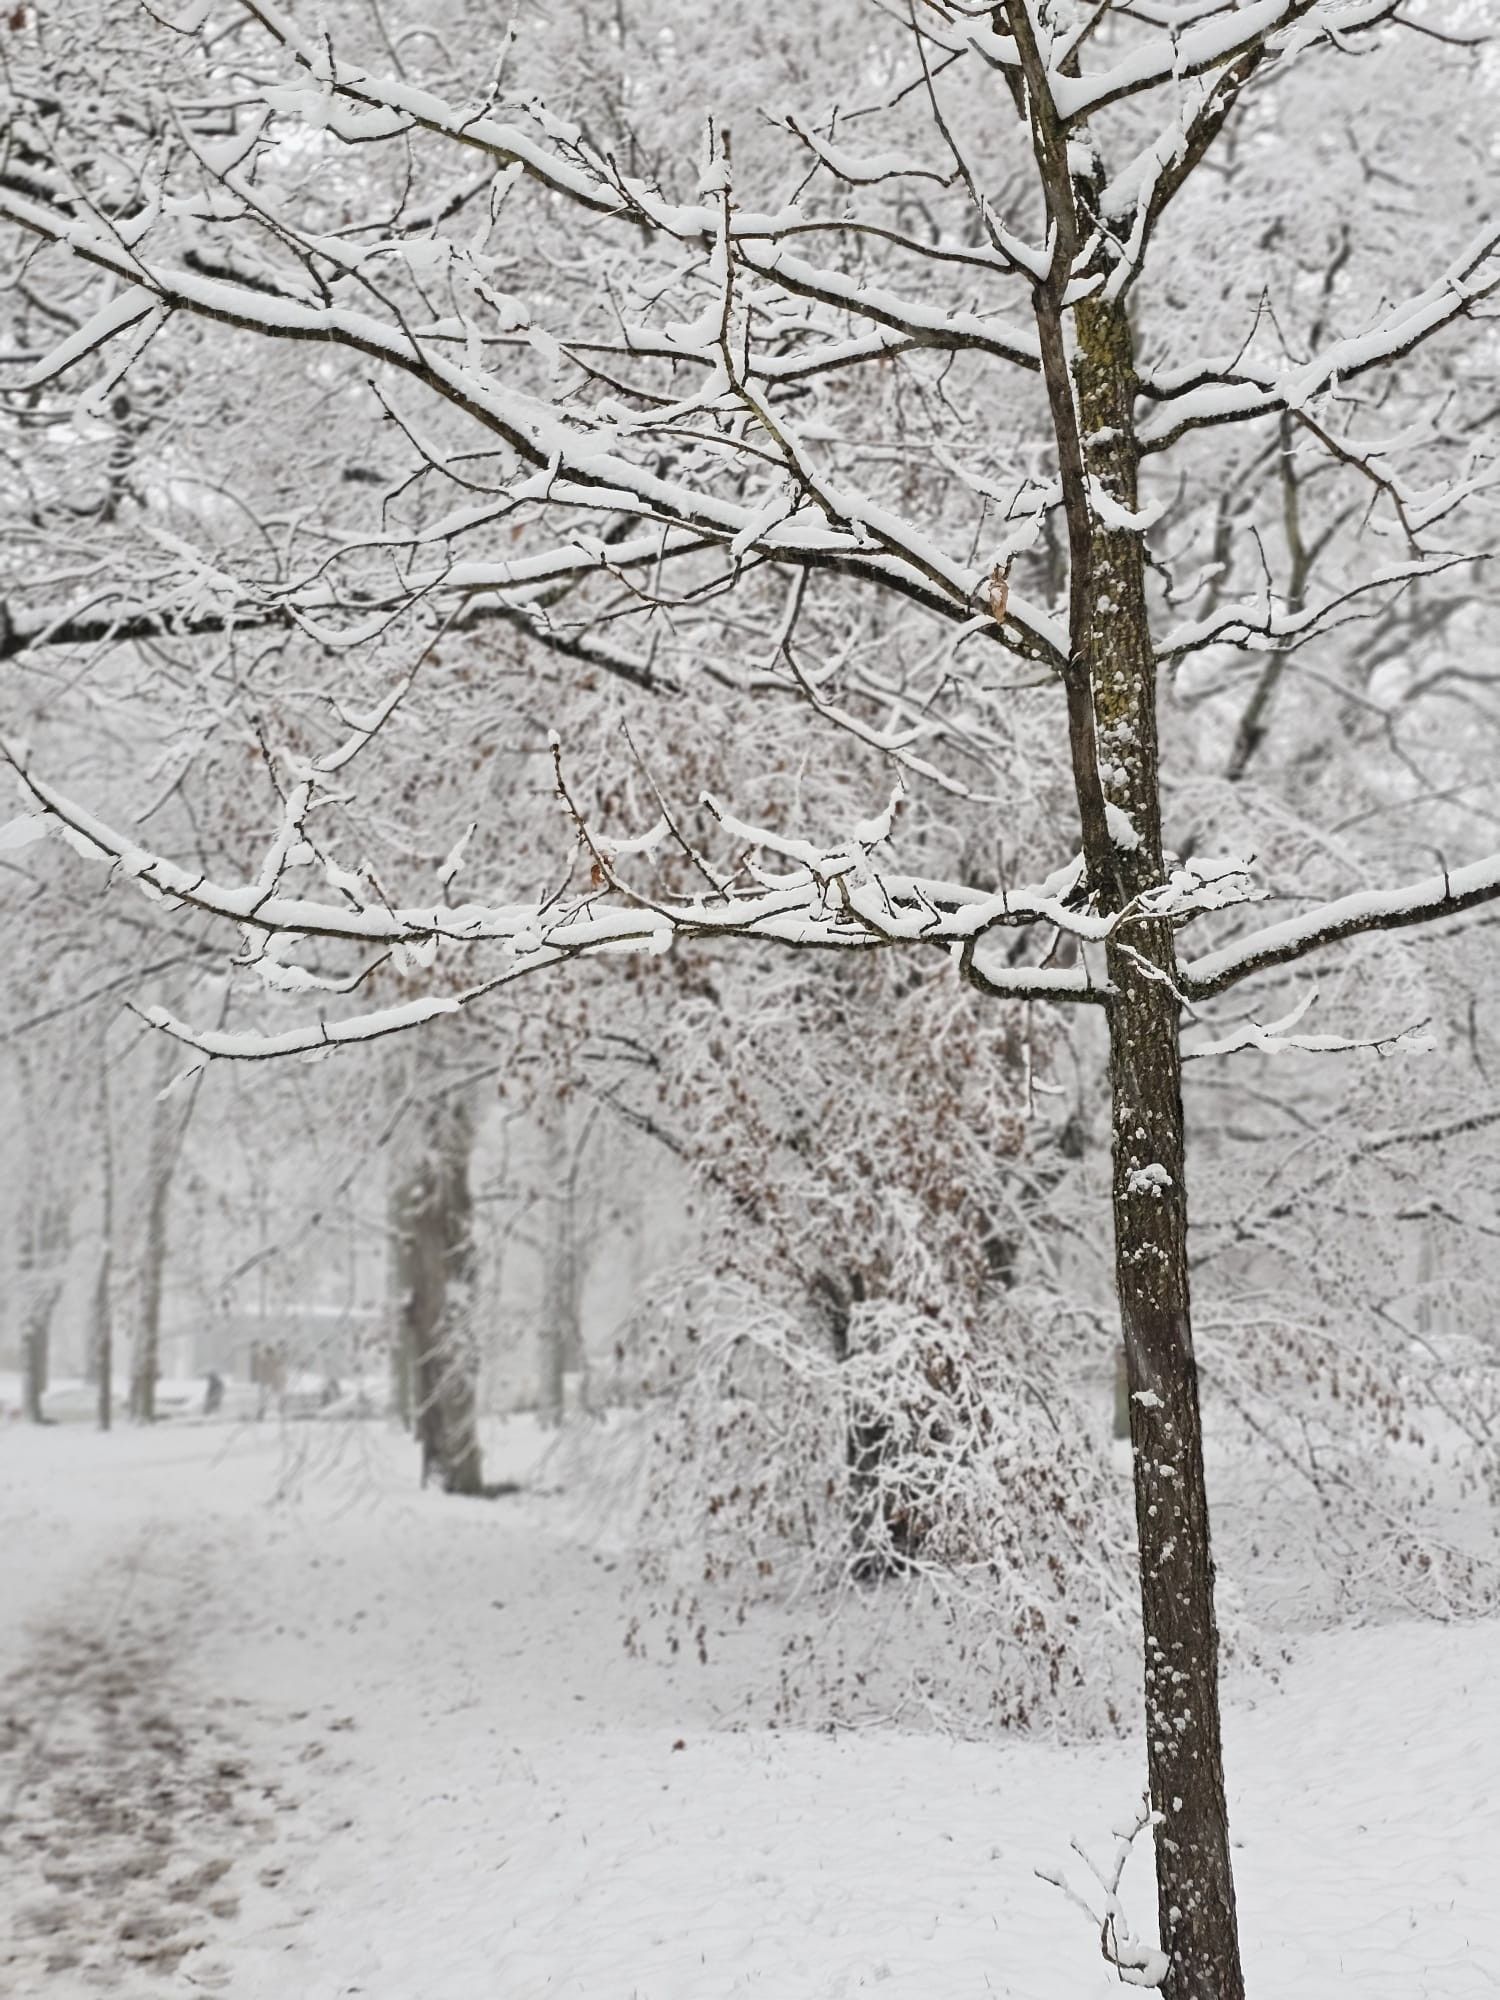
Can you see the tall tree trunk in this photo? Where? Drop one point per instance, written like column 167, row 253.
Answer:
column 33, row 1369
column 36, row 1340
column 44, row 1243
column 561, row 1325
column 399, row 1349
column 101, row 1343
column 1113, row 647
column 164, row 1151
column 101, row 1328
column 397, row 1317
column 1110, row 685
column 1195, row 1885
column 435, row 1272
column 145, row 1359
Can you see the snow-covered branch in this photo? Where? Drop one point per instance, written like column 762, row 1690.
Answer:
column 1190, row 399
column 1427, row 900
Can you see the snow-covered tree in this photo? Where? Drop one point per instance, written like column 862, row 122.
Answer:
column 966, row 396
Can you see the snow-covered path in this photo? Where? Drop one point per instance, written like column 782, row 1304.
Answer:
column 392, row 1746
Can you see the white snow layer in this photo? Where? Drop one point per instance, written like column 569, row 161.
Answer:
column 472, row 1791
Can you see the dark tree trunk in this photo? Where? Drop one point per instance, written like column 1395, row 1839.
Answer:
column 1195, row 1886
column 1110, row 685
column 1121, row 1422
column 168, row 1136
column 435, row 1271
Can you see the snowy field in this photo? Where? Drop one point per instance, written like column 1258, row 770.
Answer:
column 278, row 1727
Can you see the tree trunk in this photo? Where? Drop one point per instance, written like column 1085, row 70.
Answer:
column 35, row 1341
column 877, row 1541
column 145, row 1359
column 101, row 1344
column 1195, row 1886
column 1110, row 685
column 561, row 1328
column 435, row 1271
column 1113, row 646
column 43, row 1245
column 399, row 1319
column 168, row 1136
column 101, row 1328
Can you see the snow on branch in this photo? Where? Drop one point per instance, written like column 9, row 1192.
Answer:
column 1191, row 399
column 828, row 898
column 573, row 459
column 1272, row 627
column 163, row 615
column 1135, row 1962
column 1433, row 897
column 1277, row 1037
column 1213, row 43
column 251, row 1046
column 862, row 169
column 571, row 168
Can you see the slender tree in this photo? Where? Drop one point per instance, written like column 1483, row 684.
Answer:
column 101, row 1318
column 561, row 1328
column 167, row 1130
column 45, row 1232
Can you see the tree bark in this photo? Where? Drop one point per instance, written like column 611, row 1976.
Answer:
column 35, row 1349
column 1195, row 1885
column 1184, row 1754
column 435, row 1271
column 1110, row 684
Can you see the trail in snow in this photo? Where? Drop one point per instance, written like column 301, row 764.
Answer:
column 392, row 1746
column 130, row 1817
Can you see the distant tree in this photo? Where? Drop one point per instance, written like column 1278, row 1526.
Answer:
column 101, row 1335
column 435, row 1269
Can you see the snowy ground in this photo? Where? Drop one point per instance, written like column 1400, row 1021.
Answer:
column 277, row 1727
